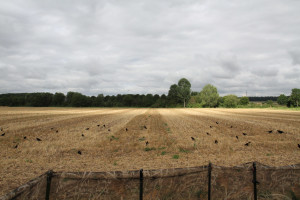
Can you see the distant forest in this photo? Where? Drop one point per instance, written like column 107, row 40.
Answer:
column 179, row 95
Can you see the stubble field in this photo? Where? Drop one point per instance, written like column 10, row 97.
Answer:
column 121, row 144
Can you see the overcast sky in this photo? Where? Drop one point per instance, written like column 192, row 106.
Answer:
column 144, row 46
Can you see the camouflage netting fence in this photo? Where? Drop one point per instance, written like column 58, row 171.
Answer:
column 247, row 181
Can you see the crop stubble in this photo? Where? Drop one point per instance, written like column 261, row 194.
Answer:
column 168, row 132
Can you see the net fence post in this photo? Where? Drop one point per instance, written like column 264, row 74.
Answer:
column 209, row 181
column 49, row 178
column 141, row 184
column 254, row 181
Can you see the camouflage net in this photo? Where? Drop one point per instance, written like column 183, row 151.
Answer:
column 181, row 183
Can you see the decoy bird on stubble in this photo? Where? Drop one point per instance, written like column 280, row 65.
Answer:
column 237, row 137
column 98, row 125
column 38, row 139
column 231, row 126
column 207, row 133
column 217, row 122
column 25, row 137
column 87, row 129
column 145, row 127
column 193, row 138
column 52, row 128
column 216, row 141
column 79, row 152
column 2, row 134
column 56, row 131
column 280, row 132
column 247, row 144
column 126, row 129
column 16, row 146
column 244, row 133
column 147, row 143
column 82, row 135
column 108, row 129
column 298, row 145
column 104, row 125
column 210, row 126
column 270, row 131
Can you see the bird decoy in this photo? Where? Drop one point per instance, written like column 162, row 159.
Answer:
column 210, row 126
column 104, row 125
column 216, row 141
column 207, row 133
column 145, row 127
column 247, row 144
column 16, row 146
column 38, row 139
column 193, row 138
column 52, row 128
column 108, row 129
column 82, row 135
column 79, row 152
column 280, row 132
column 244, row 133
column 298, row 145
column 270, row 131
column 231, row 126
column 217, row 122
column 87, row 129
column 2, row 134
column 126, row 129
column 98, row 125
column 237, row 137
column 147, row 143
column 56, row 131
column 25, row 137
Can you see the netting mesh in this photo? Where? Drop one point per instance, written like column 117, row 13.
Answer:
column 184, row 183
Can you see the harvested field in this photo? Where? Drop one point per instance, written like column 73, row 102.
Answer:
column 168, row 132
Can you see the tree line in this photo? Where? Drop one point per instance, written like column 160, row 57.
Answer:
column 179, row 95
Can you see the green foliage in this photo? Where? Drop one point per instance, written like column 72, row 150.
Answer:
column 244, row 101
column 175, row 156
column 295, row 97
column 282, row 100
column 208, row 97
column 58, row 99
column 163, row 153
column 149, row 149
column 269, row 103
column 230, row 101
column 184, row 90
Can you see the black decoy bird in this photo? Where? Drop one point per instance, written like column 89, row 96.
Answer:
column 216, row 141
column 98, row 125
column 147, row 143
column 82, row 135
column 38, row 139
column 231, row 126
column 79, row 152
column 145, row 127
column 2, row 134
column 56, row 131
column 270, row 131
column 126, row 129
column 87, row 129
column 217, row 122
column 207, row 133
column 280, row 132
column 237, row 137
column 244, row 133
column 247, row 144
column 108, row 129
column 210, row 126
column 16, row 146
column 25, row 137
column 193, row 138
column 298, row 145
column 52, row 128
column 104, row 125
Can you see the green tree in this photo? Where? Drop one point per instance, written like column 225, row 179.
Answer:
column 282, row 100
column 230, row 101
column 184, row 90
column 269, row 103
column 209, row 96
column 295, row 97
column 173, row 95
column 58, row 99
column 244, row 101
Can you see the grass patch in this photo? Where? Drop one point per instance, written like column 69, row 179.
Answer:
column 115, row 163
column 269, row 154
column 175, row 156
column 183, row 150
column 163, row 153
column 113, row 138
column 142, row 139
column 161, row 148
column 149, row 149
column 28, row 160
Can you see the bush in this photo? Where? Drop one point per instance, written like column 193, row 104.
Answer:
column 244, row 101
column 230, row 101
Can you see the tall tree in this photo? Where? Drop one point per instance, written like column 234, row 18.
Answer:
column 244, row 101
column 209, row 96
column 295, row 97
column 184, row 90
column 58, row 99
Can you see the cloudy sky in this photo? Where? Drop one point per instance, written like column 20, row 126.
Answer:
column 144, row 46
